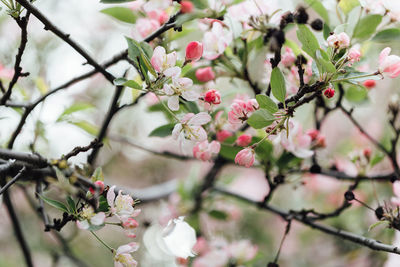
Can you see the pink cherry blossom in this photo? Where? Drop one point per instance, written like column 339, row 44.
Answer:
column 165, row 63
column 288, row 58
column 194, row 51
column 354, row 54
column 389, row 63
column 339, row 41
column 205, row 74
column 241, row 110
column 296, row 143
column 216, row 41
column 245, row 157
column 244, row 140
column 123, row 258
column 179, row 87
column 204, row 150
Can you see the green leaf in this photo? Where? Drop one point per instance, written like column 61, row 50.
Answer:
column 200, row 4
column 219, row 215
column 267, row 103
column 293, row 45
column 325, row 65
column 347, row 5
column 71, row 205
column 372, row 226
column 163, row 131
column 319, row 8
column 115, row 1
column 120, row 13
column 130, row 83
column 264, row 149
column 229, row 152
column 86, row 126
column 260, row 119
column 356, row 93
column 120, row 81
column 378, row 157
column 74, row 108
column 103, row 205
column 388, row 35
column 367, row 26
column 278, row 84
column 41, row 85
column 98, row 175
column 56, row 204
column 308, row 40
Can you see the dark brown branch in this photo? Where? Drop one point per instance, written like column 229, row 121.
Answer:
column 17, row 230
column 23, row 24
column 79, row 149
column 361, row 240
column 66, row 38
column 13, row 180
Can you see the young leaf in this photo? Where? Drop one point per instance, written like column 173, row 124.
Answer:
column 278, row 85
column 388, row 35
column 229, row 152
column 347, row 5
column 319, row 8
column 219, row 215
column 163, row 131
column 120, row 81
column 71, row 205
column 74, row 108
column 308, row 40
column 372, row 226
column 56, row 204
column 267, row 103
column 120, row 13
column 86, row 126
column 367, row 26
column 378, row 157
column 260, row 119
column 356, row 93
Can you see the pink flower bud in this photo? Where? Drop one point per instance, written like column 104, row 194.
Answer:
column 245, row 157
column 313, row 133
column 244, row 140
column 329, row 93
column 130, row 223
column 186, row 7
column 339, row 41
column 204, row 150
column 100, row 184
column 205, row 74
column 194, row 51
column 389, row 63
column 223, row 135
column 213, row 97
column 367, row 152
column 354, row 55
column 369, row 84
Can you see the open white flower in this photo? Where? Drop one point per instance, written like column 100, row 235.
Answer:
column 165, row 63
column 122, row 205
column 179, row 87
column 190, row 127
column 123, row 258
column 90, row 218
column 179, row 237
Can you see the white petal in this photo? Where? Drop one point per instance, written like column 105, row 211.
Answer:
column 98, row 219
column 200, row 119
column 190, row 95
column 173, row 102
column 172, row 72
column 180, row 238
column 168, row 90
column 177, row 131
column 111, row 196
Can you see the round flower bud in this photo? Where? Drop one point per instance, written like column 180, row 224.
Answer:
column 194, row 51
column 329, row 93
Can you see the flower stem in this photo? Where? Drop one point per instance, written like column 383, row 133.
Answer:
column 101, row 241
column 355, row 77
column 167, row 108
